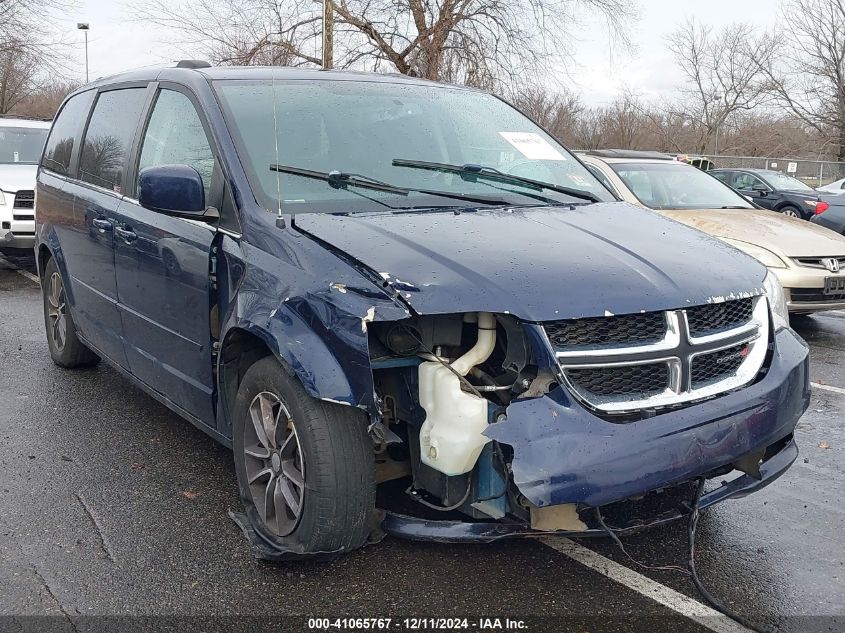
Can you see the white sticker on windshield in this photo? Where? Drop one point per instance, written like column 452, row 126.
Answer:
column 532, row 145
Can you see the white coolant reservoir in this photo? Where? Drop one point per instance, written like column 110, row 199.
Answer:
column 451, row 437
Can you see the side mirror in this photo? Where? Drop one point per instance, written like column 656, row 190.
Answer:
column 761, row 192
column 172, row 189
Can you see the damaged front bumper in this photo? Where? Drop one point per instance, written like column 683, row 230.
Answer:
column 563, row 454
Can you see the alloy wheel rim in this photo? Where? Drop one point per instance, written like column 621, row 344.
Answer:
column 56, row 312
column 275, row 468
column 791, row 213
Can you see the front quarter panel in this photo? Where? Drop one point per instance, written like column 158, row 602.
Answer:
column 309, row 308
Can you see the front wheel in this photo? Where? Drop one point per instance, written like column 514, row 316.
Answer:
column 66, row 349
column 305, row 467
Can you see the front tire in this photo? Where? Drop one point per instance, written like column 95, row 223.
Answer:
column 66, row 349
column 305, row 467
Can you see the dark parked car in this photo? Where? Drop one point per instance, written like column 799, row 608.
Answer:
column 833, row 217
column 370, row 283
column 772, row 190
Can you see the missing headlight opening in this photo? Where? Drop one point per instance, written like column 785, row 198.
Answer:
column 441, row 381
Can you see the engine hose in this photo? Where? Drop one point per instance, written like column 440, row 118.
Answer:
column 418, row 499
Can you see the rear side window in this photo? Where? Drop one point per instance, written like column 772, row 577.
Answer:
column 109, row 137
column 67, row 128
column 747, row 181
column 723, row 176
column 175, row 136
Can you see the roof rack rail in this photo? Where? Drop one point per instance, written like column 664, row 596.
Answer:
column 192, row 63
column 628, row 153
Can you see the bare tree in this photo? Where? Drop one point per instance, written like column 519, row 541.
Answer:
column 476, row 42
column 558, row 112
column 241, row 33
column 44, row 100
column 29, row 52
column 723, row 76
column 808, row 75
column 18, row 69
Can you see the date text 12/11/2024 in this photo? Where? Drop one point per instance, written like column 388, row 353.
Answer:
column 416, row 624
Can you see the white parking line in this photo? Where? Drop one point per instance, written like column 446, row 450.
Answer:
column 839, row 390
column 669, row 598
column 23, row 273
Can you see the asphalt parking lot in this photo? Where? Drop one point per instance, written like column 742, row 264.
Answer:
column 110, row 505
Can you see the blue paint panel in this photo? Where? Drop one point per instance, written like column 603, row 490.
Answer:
column 162, row 271
column 565, row 454
column 542, row 264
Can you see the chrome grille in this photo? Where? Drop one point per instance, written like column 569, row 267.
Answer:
column 702, row 351
column 24, row 200
column 624, row 380
column 649, row 327
column 709, row 367
column 717, row 317
column 832, row 264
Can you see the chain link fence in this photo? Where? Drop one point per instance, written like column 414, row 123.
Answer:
column 815, row 173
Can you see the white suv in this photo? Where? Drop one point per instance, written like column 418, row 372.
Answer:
column 21, row 143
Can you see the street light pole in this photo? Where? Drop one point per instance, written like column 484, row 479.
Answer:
column 83, row 26
column 328, row 29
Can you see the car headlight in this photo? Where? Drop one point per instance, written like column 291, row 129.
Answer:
column 777, row 300
column 762, row 255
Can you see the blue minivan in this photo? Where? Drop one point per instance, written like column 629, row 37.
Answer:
column 406, row 307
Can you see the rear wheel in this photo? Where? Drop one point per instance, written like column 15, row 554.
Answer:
column 791, row 211
column 66, row 349
column 305, row 467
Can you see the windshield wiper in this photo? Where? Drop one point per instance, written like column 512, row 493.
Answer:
column 471, row 172
column 341, row 180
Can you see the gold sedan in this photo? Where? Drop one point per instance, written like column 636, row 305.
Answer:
column 809, row 260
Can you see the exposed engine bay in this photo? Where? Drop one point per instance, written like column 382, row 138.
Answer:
column 440, row 381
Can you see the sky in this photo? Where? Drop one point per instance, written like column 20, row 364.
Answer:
column 599, row 71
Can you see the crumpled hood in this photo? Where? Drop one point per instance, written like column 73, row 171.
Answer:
column 776, row 232
column 13, row 177
column 542, row 263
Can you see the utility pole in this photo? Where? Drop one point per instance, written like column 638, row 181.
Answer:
column 716, row 144
column 328, row 34
column 83, row 26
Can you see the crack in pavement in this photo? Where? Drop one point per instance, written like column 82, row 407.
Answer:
column 55, row 599
column 104, row 542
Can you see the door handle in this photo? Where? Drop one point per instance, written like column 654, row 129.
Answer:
column 127, row 235
column 102, row 224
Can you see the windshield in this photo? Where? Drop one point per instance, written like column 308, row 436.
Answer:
column 673, row 185
column 781, row 181
column 362, row 128
column 21, row 145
